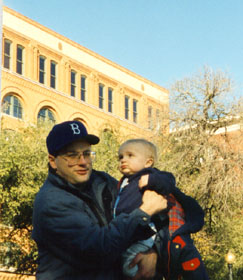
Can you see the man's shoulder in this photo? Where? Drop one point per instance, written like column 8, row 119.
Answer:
column 50, row 188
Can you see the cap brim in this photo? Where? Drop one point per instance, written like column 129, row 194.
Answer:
column 92, row 139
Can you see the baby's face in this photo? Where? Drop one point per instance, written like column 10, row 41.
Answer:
column 133, row 158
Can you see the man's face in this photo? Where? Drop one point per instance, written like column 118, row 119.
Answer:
column 77, row 171
column 133, row 158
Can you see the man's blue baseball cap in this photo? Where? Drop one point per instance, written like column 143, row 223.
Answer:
column 65, row 133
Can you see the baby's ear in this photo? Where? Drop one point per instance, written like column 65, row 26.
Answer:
column 149, row 162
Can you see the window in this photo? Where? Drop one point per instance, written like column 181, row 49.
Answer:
column 135, row 110
column 53, row 76
column 20, row 59
column 42, row 61
column 12, row 106
column 101, row 96
column 7, row 54
column 150, row 117
column 83, row 88
column 126, row 107
column 110, row 100
column 73, row 83
column 46, row 115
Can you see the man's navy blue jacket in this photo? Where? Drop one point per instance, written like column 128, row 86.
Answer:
column 74, row 233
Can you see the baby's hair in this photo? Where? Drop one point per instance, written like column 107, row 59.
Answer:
column 151, row 148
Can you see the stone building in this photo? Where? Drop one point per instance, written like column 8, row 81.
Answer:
column 46, row 76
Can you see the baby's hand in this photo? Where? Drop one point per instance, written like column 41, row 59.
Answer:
column 143, row 181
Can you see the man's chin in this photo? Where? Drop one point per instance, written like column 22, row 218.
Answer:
column 83, row 178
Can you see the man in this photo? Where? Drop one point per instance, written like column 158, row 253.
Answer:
column 72, row 217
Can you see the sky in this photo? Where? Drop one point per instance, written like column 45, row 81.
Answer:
column 161, row 40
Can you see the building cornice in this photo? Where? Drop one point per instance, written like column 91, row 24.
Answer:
column 60, row 44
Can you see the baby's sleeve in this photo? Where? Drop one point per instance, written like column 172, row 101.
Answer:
column 162, row 182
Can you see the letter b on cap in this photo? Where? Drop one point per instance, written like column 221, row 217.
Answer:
column 75, row 128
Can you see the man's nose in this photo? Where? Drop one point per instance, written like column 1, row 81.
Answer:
column 81, row 159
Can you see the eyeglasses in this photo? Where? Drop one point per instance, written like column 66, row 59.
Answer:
column 74, row 157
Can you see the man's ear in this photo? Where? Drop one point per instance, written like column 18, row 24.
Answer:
column 52, row 161
column 149, row 162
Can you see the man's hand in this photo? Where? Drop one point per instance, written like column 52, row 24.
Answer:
column 153, row 202
column 146, row 265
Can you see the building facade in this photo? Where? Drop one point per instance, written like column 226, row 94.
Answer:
column 46, row 76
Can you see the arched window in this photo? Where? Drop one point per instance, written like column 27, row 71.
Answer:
column 12, row 106
column 46, row 115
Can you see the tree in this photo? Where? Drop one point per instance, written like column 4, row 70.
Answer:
column 107, row 151
column 23, row 169
column 204, row 163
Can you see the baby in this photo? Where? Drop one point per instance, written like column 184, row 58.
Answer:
column 177, row 254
